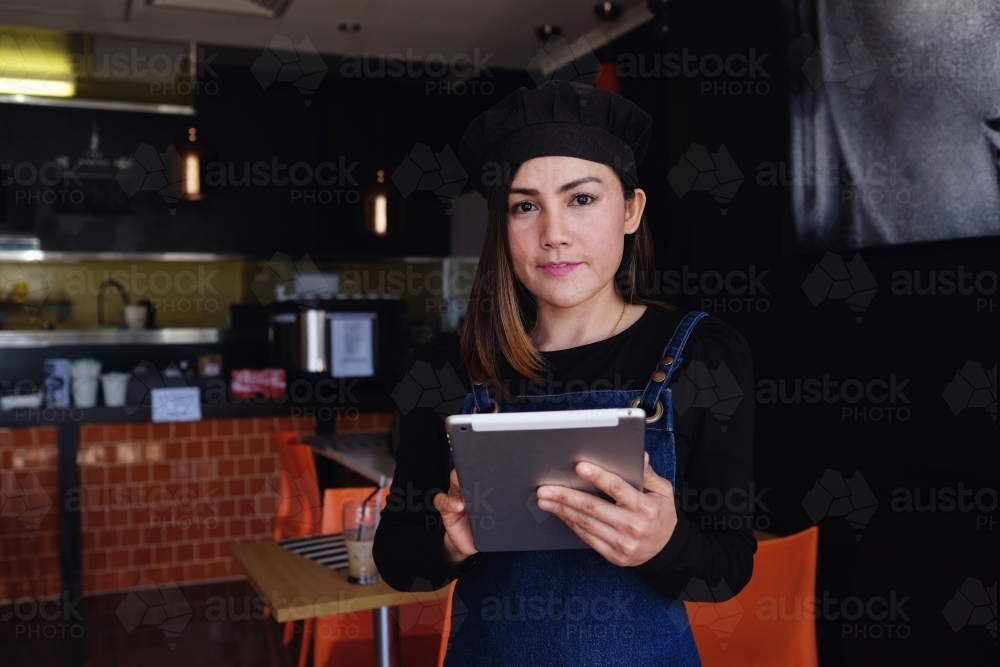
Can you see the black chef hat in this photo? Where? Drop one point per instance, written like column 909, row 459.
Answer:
column 557, row 118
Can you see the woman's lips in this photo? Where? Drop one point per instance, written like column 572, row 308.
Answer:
column 559, row 268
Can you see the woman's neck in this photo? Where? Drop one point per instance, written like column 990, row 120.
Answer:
column 588, row 322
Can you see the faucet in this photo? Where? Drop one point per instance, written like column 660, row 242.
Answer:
column 109, row 282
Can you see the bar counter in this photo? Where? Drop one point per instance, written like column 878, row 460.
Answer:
column 110, row 498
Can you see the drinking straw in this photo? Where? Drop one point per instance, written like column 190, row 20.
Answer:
column 364, row 505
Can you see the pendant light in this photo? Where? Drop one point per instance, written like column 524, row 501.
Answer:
column 192, row 154
column 377, row 207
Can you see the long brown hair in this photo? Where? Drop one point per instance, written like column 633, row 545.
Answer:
column 502, row 312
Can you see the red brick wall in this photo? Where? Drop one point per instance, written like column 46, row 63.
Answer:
column 157, row 501
column 29, row 513
column 166, row 501
column 365, row 422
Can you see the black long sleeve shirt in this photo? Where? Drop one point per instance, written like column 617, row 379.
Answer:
column 709, row 557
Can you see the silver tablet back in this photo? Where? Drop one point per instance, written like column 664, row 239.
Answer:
column 502, row 459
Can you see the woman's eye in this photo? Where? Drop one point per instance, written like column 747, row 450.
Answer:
column 523, row 207
column 583, row 200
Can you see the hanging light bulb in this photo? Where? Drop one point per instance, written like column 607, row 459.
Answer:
column 377, row 207
column 191, row 153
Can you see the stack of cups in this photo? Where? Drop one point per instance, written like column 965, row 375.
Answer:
column 85, row 373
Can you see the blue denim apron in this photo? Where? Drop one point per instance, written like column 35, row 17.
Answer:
column 572, row 606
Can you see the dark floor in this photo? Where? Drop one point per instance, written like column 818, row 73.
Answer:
column 221, row 623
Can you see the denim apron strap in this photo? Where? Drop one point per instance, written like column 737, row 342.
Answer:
column 481, row 393
column 668, row 364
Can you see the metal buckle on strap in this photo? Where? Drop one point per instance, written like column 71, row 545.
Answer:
column 656, row 415
column 475, row 407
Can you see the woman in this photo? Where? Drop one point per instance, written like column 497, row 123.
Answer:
column 556, row 321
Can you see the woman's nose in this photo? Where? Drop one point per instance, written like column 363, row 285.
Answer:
column 554, row 229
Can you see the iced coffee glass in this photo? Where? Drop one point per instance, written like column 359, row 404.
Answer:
column 360, row 521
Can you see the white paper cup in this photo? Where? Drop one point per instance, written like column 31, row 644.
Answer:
column 85, row 392
column 135, row 316
column 114, row 385
column 85, row 369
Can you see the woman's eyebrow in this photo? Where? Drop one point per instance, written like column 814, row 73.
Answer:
column 569, row 186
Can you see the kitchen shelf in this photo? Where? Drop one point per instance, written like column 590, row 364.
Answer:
column 35, row 339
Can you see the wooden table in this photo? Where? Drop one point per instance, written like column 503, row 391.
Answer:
column 296, row 588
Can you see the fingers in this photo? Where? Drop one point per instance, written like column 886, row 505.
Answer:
column 625, row 494
column 583, row 519
column 458, row 534
column 596, row 543
column 653, row 483
column 551, row 498
column 449, row 503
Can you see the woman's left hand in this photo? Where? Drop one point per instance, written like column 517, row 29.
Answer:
column 627, row 533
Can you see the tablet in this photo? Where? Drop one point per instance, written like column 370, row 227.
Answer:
column 502, row 459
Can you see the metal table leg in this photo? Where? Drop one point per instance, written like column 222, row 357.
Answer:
column 386, row 638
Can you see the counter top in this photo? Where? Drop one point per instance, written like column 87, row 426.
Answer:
column 366, row 454
column 34, row 339
column 27, row 417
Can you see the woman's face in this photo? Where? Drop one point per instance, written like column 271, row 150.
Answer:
column 566, row 224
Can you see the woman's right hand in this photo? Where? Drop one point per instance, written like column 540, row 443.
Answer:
column 458, row 535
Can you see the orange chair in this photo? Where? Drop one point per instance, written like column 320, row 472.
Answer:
column 299, row 507
column 298, row 513
column 771, row 622
column 346, row 639
column 446, row 626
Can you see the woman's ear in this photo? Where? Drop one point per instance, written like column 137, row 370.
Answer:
column 633, row 210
